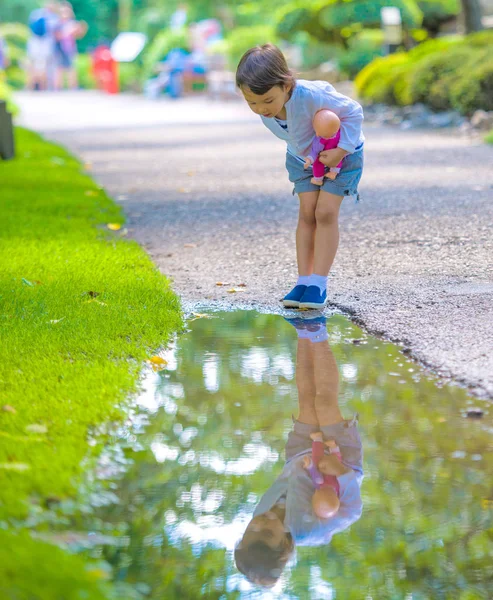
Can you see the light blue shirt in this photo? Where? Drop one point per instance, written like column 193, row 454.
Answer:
column 307, row 99
column 295, row 485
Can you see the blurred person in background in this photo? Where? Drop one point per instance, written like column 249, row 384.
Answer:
column 67, row 33
column 41, row 47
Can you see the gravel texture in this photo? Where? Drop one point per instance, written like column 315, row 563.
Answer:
column 206, row 193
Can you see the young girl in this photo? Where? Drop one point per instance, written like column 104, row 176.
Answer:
column 287, row 107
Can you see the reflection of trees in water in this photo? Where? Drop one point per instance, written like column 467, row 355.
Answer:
column 423, row 529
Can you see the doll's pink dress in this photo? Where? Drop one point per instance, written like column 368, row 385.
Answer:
column 319, row 145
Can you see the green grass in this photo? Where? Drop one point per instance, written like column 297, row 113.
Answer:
column 489, row 137
column 68, row 358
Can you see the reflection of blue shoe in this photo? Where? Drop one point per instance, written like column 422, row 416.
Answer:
column 302, row 322
column 292, row 300
column 313, row 298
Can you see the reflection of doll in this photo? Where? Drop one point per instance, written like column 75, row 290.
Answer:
column 327, row 128
column 325, row 500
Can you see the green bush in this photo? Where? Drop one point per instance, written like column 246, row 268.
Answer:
column 430, row 80
column 363, row 48
column 129, row 76
column 241, row 39
column 6, row 94
column 473, row 90
column 489, row 137
column 15, row 36
column 453, row 72
column 84, row 71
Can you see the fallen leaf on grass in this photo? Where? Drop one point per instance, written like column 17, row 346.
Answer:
column 157, row 362
column 15, row 466
column 55, row 321
column 114, row 226
column 36, row 428
column 90, row 193
column 9, row 409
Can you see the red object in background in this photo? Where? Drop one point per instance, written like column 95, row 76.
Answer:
column 105, row 70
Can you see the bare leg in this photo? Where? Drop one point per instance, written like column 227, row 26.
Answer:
column 326, row 376
column 305, row 383
column 327, row 231
column 305, row 232
column 72, row 79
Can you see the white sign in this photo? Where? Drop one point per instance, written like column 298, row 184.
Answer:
column 127, row 46
column 390, row 15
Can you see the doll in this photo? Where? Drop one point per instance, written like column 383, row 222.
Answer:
column 325, row 500
column 327, row 129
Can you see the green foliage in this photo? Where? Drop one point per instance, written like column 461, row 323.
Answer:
column 6, row 94
column 444, row 73
column 84, row 72
column 57, row 574
column 241, row 39
column 437, row 12
column 155, row 52
column 340, row 14
column 473, row 90
column 489, row 137
column 363, row 48
column 15, row 36
column 129, row 76
column 81, row 309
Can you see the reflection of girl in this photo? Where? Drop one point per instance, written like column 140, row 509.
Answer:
column 284, row 516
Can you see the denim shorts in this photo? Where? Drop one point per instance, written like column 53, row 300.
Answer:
column 345, row 184
column 345, row 434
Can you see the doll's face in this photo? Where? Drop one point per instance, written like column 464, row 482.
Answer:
column 270, row 104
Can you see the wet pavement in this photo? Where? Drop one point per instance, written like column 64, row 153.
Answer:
column 205, row 190
column 205, row 444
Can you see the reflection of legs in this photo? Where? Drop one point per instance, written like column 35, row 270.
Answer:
column 326, row 379
column 305, row 382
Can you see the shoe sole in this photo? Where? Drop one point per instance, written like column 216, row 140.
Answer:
column 291, row 303
column 315, row 305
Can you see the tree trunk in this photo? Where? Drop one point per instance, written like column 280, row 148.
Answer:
column 471, row 15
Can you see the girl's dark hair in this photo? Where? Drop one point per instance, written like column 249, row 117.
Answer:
column 261, row 564
column 263, row 67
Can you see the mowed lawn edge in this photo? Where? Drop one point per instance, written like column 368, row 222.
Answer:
column 81, row 309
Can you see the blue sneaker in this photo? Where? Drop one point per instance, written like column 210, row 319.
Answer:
column 313, row 298
column 292, row 300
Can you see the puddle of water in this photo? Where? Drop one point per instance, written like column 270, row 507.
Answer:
column 207, row 443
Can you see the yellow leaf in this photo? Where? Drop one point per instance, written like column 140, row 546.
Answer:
column 114, row 226
column 234, row 290
column 221, row 283
column 157, row 362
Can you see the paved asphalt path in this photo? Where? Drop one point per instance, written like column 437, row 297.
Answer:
column 206, row 193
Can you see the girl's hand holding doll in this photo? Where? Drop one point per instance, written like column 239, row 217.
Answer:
column 331, row 158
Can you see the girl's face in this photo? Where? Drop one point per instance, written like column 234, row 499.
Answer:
column 267, row 528
column 269, row 104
